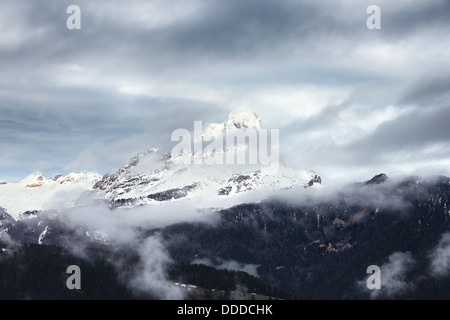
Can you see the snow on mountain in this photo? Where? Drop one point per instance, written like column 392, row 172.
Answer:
column 153, row 176
column 139, row 183
column 42, row 235
column 237, row 120
column 36, row 193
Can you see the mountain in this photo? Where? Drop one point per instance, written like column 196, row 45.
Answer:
column 5, row 218
column 379, row 178
column 312, row 247
column 154, row 176
column 36, row 193
column 284, row 233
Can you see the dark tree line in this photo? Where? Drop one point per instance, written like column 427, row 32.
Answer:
column 39, row 272
column 318, row 250
column 323, row 250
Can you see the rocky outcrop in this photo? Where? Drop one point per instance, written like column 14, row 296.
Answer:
column 172, row 193
column 316, row 179
column 379, row 178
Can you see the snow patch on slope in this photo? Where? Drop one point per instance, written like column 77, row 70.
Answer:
column 42, row 235
column 36, row 193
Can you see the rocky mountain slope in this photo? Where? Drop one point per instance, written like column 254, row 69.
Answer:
column 151, row 177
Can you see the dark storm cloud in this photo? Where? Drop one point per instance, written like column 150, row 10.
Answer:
column 411, row 131
column 245, row 29
column 410, row 17
column 432, row 89
column 91, row 98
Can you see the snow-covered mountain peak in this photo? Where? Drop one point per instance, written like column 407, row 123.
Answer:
column 241, row 119
column 36, row 179
column 208, row 185
column 81, row 177
column 205, row 174
column 208, row 175
column 135, row 160
column 148, row 162
column 36, row 193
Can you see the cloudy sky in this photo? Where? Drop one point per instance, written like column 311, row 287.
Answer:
column 349, row 102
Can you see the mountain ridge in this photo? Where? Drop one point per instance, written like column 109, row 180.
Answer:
column 153, row 176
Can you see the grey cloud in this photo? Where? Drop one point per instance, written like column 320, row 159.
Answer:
column 409, row 17
column 60, row 98
column 393, row 274
column 131, row 234
column 249, row 268
column 440, row 257
column 151, row 275
column 49, row 134
column 432, row 89
column 393, row 277
column 410, row 131
column 8, row 241
column 382, row 197
column 416, row 138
